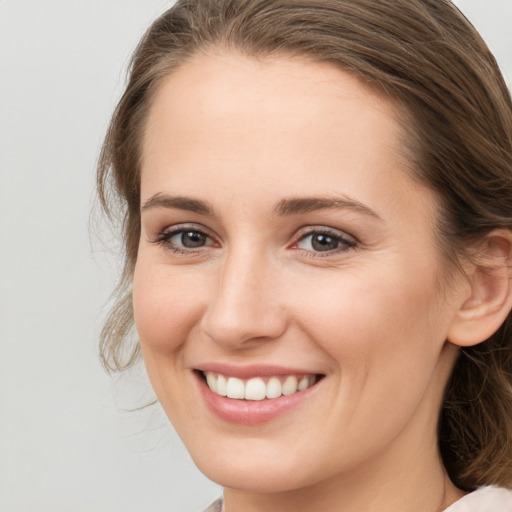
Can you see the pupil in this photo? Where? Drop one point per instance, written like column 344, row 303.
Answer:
column 192, row 239
column 324, row 243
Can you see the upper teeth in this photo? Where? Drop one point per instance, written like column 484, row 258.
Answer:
column 256, row 388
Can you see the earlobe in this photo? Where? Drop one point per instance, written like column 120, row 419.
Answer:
column 489, row 300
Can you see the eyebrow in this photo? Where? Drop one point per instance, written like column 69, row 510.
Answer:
column 300, row 205
column 285, row 207
column 177, row 202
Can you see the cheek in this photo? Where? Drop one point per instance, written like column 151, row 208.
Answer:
column 166, row 306
column 378, row 325
column 383, row 347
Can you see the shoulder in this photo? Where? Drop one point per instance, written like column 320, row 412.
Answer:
column 484, row 499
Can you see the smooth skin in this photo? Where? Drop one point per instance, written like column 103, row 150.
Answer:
column 355, row 291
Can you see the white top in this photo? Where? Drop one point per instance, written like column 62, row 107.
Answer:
column 484, row 499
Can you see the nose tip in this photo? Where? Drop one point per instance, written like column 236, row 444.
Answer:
column 244, row 308
column 241, row 325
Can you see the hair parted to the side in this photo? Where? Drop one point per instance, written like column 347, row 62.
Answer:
column 428, row 58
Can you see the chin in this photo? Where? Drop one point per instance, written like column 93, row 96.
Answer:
column 264, row 471
column 265, row 478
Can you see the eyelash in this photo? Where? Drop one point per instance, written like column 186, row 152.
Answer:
column 345, row 242
column 164, row 237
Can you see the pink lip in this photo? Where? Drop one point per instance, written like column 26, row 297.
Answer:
column 249, row 371
column 250, row 412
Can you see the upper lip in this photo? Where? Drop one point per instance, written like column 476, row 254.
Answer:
column 253, row 370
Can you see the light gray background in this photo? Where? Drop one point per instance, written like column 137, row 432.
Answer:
column 65, row 443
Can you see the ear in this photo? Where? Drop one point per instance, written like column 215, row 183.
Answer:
column 488, row 300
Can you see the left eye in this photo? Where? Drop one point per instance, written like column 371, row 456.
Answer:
column 320, row 241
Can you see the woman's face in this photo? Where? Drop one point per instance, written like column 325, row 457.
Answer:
column 286, row 252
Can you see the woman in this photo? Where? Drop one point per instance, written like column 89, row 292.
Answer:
column 318, row 230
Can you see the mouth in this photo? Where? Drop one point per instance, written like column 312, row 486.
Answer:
column 254, row 394
column 258, row 388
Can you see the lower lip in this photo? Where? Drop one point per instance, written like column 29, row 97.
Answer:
column 250, row 412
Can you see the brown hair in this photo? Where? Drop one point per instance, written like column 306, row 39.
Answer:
column 427, row 57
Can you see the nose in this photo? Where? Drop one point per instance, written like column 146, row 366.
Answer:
column 245, row 304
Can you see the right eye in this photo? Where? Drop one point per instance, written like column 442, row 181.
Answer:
column 189, row 239
column 184, row 239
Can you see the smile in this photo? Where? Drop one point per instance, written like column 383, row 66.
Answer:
column 257, row 388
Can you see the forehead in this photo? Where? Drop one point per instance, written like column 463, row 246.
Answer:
column 272, row 122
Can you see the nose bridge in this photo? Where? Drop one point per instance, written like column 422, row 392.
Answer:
column 243, row 306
